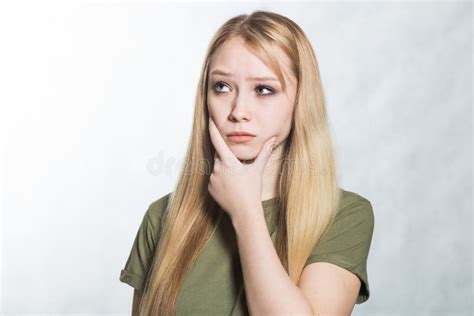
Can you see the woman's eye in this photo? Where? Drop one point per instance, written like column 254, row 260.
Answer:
column 217, row 85
column 265, row 88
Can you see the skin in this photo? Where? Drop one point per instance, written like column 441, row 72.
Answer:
column 246, row 173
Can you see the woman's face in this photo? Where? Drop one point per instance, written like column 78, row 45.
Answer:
column 236, row 102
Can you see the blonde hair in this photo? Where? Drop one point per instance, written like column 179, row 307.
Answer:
column 308, row 193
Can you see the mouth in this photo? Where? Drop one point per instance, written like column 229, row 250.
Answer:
column 241, row 133
column 240, row 138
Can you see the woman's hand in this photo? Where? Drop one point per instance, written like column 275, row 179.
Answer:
column 235, row 186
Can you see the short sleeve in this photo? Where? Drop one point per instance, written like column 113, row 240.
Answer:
column 144, row 245
column 347, row 241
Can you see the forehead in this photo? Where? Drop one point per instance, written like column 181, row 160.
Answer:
column 236, row 57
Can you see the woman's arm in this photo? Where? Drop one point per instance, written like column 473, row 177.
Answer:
column 137, row 297
column 268, row 287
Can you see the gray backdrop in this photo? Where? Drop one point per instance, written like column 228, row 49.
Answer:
column 97, row 103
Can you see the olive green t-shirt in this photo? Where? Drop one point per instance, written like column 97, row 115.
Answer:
column 214, row 284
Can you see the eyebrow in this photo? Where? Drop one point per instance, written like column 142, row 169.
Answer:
column 223, row 73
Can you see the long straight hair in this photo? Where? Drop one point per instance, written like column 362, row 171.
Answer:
column 308, row 192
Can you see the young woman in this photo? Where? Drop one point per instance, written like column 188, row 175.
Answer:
column 257, row 223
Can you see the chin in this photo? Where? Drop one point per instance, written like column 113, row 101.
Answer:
column 244, row 155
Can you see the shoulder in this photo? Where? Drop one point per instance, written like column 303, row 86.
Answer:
column 351, row 198
column 156, row 209
column 356, row 207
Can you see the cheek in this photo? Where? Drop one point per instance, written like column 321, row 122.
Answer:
column 279, row 121
column 217, row 114
column 281, row 125
column 213, row 109
column 215, row 101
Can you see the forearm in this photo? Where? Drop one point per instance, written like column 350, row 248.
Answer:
column 268, row 287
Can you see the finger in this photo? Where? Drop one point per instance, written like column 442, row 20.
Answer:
column 265, row 153
column 216, row 158
column 222, row 150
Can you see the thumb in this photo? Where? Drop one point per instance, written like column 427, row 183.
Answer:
column 265, row 153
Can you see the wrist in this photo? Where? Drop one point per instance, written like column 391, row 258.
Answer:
column 247, row 216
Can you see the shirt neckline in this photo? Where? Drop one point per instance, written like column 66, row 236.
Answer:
column 268, row 204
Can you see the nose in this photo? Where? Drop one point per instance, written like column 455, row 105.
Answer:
column 240, row 112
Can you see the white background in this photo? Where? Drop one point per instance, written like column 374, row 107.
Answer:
column 96, row 111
